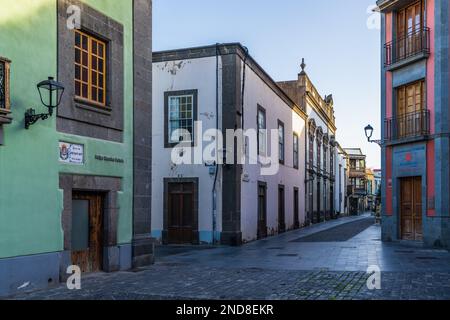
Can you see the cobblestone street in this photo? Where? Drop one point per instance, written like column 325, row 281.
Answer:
column 295, row 265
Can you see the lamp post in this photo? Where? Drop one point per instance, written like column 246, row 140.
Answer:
column 55, row 93
column 369, row 132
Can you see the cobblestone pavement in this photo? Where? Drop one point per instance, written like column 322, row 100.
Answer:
column 277, row 268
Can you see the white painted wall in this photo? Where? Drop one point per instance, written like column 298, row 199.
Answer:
column 341, row 164
column 257, row 92
column 199, row 74
column 313, row 114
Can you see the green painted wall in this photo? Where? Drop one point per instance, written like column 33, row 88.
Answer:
column 30, row 199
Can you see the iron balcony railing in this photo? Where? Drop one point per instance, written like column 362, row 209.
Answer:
column 410, row 125
column 412, row 44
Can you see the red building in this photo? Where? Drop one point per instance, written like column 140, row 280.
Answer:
column 415, row 111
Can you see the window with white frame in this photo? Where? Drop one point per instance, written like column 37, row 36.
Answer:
column 296, row 151
column 181, row 112
column 281, row 141
column 262, row 131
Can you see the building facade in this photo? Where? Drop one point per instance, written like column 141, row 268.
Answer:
column 415, row 112
column 377, row 176
column 370, row 190
column 66, row 186
column 320, row 146
column 358, row 182
column 342, row 180
column 222, row 87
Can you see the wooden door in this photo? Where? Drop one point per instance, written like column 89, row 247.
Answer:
column 401, row 34
column 181, row 213
column 281, row 212
column 410, row 23
column 296, row 209
column 262, row 211
column 411, row 208
column 332, row 211
column 319, row 209
column 87, row 231
column 411, row 100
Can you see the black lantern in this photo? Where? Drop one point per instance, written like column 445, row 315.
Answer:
column 369, row 132
column 50, row 92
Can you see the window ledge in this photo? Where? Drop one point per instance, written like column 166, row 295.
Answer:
column 405, row 62
column 5, row 117
column 82, row 104
column 407, row 140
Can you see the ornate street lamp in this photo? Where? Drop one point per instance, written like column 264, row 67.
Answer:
column 51, row 100
column 369, row 132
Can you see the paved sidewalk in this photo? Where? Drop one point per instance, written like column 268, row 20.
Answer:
column 164, row 281
column 280, row 268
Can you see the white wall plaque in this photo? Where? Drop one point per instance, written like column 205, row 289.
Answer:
column 71, row 153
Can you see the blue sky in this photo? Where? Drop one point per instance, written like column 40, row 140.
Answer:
column 342, row 54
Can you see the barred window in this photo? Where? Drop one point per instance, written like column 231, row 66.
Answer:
column 4, row 83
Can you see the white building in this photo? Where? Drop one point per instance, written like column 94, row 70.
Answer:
column 321, row 146
column 225, row 88
column 342, row 180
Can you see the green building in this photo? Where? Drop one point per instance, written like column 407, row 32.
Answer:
column 74, row 186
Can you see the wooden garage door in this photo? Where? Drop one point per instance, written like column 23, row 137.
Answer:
column 411, row 208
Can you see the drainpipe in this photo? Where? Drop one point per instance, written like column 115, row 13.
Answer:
column 214, row 191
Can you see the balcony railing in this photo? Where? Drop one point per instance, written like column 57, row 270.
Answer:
column 410, row 125
column 414, row 43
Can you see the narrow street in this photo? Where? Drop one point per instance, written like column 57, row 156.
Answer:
column 328, row 261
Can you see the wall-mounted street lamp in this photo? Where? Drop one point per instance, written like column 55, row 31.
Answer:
column 369, row 132
column 55, row 93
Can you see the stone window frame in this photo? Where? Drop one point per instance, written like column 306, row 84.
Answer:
column 167, row 95
column 196, row 212
column 79, row 117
